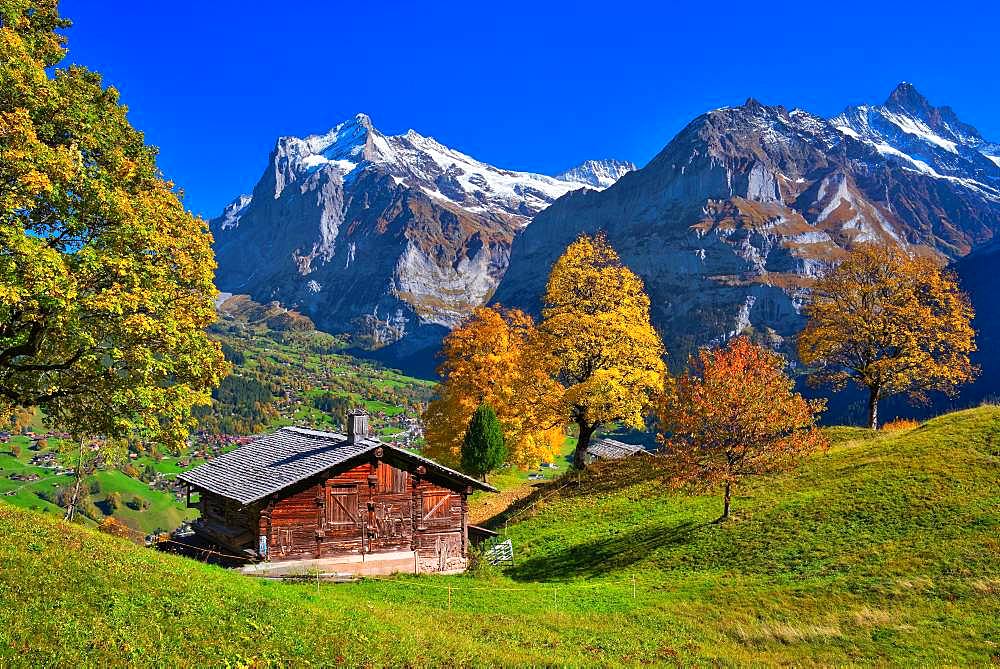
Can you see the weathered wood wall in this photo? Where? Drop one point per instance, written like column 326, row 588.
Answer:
column 441, row 536
column 377, row 506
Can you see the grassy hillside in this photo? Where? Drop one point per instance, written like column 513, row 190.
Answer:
column 159, row 510
column 885, row 550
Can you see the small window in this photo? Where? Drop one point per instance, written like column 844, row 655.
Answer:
column 391, row 479
column 436, row 505
column 342, row 506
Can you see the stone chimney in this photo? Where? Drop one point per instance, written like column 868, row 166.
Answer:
column 357, row 425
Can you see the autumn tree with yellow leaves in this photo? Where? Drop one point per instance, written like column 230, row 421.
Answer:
column 735, row 414
column 494, row 358
column 106, row 282
column 891, row 323
column 597, row 341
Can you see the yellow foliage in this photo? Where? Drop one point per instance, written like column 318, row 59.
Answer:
column 597, row 340
column 116, row 528
column 593, row 360
column 891, row 323
column 900, row 424
column 106, row 282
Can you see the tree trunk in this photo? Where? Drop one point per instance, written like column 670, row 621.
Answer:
column 580, row 454
column 726, row 499
column 71, row 505
column 873, row 394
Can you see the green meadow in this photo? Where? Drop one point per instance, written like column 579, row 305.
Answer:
column 883, row 550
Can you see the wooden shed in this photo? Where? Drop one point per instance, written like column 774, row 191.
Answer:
column 611, row 449
column 351, row 501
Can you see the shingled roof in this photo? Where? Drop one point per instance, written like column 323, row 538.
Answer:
column 610, row 449
column 292, row 454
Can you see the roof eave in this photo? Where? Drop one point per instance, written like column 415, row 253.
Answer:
column 244, row 502
column 443, row 471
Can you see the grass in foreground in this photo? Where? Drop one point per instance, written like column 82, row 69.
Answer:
column 884, row 550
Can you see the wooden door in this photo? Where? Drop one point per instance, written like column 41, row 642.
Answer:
column 389, row 525
column 344, row 521
column 389, row 518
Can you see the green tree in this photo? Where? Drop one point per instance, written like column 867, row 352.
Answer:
column 106, row 282
column 483, row 449
column 137, row 503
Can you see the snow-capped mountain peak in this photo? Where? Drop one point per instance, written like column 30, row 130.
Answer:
column 598, row 173
column 907, row 98
column 443, row 173
column 230, row 217
column 412, row 233
column 909, row 131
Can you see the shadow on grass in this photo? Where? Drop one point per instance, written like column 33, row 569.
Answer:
column 601, row 556
column 599, row 479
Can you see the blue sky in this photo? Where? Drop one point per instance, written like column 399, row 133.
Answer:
column 524, row 85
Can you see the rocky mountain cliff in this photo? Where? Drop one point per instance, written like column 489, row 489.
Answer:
column 729, row 223
column 392, row 239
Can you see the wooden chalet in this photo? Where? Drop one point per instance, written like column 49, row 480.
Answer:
column 349, row 501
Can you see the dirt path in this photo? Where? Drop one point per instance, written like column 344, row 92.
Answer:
column 491, row 505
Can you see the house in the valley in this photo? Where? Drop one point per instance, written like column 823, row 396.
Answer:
column 610, row 449
column 300, row 498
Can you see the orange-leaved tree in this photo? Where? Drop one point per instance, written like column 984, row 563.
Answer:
column 491, row 359
column 890, row 322
column 598, row 342
column 736, row 414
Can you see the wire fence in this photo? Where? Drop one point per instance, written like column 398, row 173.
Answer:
column 506, row 519
column 204, row 551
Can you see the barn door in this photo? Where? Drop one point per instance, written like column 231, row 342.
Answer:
column 342, row 510
column 344, row 521
column 389, row 521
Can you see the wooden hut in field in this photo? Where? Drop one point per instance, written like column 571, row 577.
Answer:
column 334, row 502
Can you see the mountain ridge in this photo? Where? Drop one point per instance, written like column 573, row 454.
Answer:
column 394, row 239
column 731, row 221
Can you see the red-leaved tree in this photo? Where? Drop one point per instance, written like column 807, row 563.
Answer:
column 736, row 414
